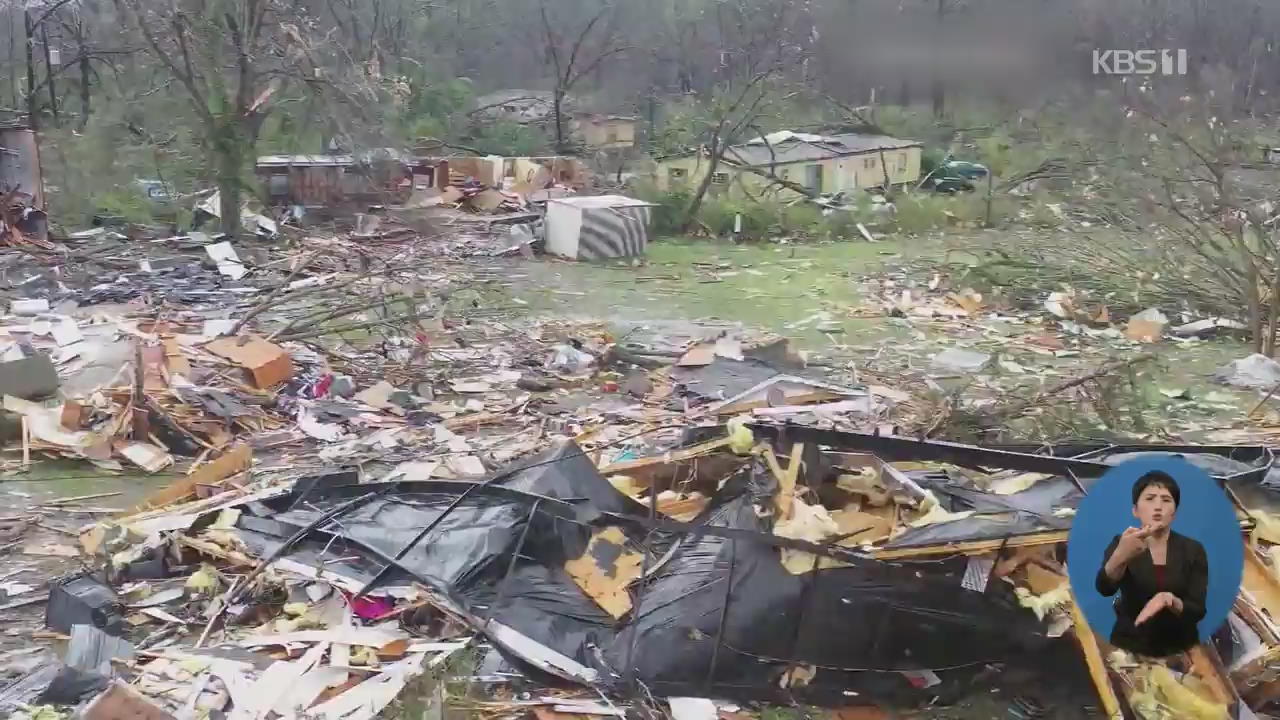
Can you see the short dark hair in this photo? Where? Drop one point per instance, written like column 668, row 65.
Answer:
column 1157, row 477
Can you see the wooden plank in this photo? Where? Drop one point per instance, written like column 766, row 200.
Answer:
column 1206, row 665
column 475, row 420
column 975, row 547
column 1043, row 580
column 175, row 361
column 237, row 460
column 1028, row 556
column 215, row 550
column 787, row 482
column 1096, row 663
column 1262, row 584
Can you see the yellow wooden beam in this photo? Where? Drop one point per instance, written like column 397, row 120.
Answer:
column 973, row 547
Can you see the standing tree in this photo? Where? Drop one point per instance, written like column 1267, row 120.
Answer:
column 756, row 52
column 228, row 56
column 571, row 60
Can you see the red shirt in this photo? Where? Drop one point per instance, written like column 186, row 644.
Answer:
column 1159, row 576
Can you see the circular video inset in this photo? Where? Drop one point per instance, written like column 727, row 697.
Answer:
column 1155, row 556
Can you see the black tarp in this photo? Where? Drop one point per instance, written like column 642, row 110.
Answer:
column 718, row 614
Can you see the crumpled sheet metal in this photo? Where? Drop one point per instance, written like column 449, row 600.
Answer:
column 997, row 516
column 717, row 615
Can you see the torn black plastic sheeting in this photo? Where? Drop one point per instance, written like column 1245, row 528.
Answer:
column 878, row 618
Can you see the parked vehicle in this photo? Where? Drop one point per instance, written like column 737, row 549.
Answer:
column 955, row 176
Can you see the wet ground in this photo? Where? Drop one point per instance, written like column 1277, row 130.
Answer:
column 43, row 503
column 813, row 294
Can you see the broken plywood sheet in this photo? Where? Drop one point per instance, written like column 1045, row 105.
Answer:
column 121, row 702
column 146, row 456
column 860, row 528
column 175, row 361
column 228, row 262
column 605, row 570
column 699, row 355
column 1147, row 326
column 268, row 364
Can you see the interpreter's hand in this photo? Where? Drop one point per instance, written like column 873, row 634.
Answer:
column 1133, row 541
column 1159, row 602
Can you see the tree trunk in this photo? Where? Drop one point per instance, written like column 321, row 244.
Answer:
column 1253, row 303
column 938, row 91
column 85, row 95
column 33, row 105
column 1273, row 310
column 696, row 203
column 557, row 105
column 229, row 151
column 49, row 73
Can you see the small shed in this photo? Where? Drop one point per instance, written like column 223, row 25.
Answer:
column 597, row 227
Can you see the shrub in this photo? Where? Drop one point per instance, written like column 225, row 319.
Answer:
column 842, row 225
column 802, row 218
column 669, row 210
column 717, row 214
column 126, row 201
column 920, row 212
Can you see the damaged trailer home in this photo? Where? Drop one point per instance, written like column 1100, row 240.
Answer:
column 323, row 182
column 750, row 563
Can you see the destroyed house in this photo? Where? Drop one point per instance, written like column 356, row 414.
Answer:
column 329, row 181
column 820, row 163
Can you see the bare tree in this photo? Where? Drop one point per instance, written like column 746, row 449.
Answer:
column 229, row 56
column 1205, row 202
column 571, row 60
column 756, row 52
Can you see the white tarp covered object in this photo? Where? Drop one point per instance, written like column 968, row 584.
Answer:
column 602, row 226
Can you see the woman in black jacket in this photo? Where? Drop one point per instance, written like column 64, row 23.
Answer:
column 1162, row 576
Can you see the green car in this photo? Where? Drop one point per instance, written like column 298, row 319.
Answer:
column 955, row 176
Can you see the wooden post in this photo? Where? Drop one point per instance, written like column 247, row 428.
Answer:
column 140, row 424
column 990, row 180
column 26, row 443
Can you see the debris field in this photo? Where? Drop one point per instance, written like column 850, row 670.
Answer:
column 373, row 475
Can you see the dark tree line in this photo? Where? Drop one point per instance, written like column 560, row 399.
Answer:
column 362, row 71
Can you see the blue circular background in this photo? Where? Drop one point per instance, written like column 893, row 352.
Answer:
column 1204, row 513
